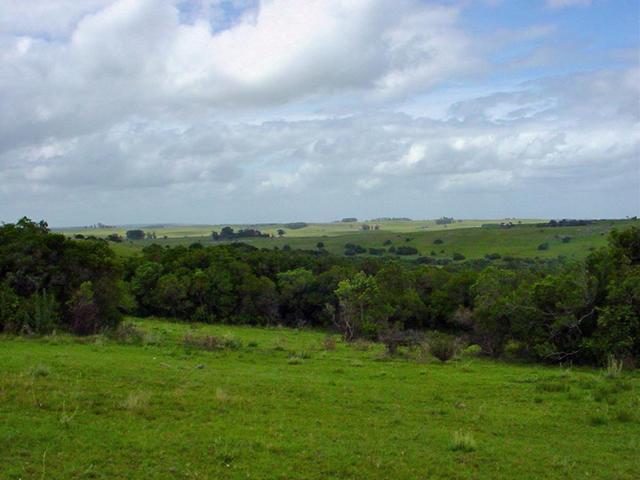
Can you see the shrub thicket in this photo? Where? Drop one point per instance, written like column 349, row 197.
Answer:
column 583, row 312
column 48, row 281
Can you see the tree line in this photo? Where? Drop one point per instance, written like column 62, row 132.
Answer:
column 545, row 311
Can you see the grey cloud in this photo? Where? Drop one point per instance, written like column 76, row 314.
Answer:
column 133, row 114
column 135, row 58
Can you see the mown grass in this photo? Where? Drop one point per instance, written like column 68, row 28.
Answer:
column 466, row 238
column 286, row 404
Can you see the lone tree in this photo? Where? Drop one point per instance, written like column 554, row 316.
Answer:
column 281, row 232
column 135, row 234
column 361, row 308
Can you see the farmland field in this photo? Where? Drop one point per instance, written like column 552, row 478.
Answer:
column 466, row 237
column 280, row 403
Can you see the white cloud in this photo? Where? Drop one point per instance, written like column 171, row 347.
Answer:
column 293, row 181
column 135, row 57
column 108, row 104
column 368, row 183
column 488, row 180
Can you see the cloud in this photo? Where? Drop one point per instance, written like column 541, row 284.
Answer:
column 292, row 181
column 358, row 160
column 488, row 180
column 136, row 57
column 238, row 110
column 370, row 183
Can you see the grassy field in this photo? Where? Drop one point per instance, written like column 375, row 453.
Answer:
column 311, row 230
column 282, row 404
column 467, row 238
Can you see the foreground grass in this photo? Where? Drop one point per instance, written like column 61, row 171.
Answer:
column 278, row 404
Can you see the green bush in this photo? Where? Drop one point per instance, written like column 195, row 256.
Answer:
column 443, row 347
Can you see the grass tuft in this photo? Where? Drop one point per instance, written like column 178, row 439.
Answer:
column 625, row 415
column 222, row 396
column 613, row 368
column 40, row 371
column 598, row 419
column 329, row 343
column 211, row 342
column 463, row 442
column 128, row 333
column 136, row 401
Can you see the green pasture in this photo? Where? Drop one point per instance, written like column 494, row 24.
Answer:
column 466, row 238
column 274, row 403
column 311, row 230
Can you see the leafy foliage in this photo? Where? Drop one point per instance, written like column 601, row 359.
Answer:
column 555, row 312
column 48, row 281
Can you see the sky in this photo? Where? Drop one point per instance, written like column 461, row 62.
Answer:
column 250, row 111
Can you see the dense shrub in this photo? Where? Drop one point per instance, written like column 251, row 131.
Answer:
column 295, row 225
column 48, row 281
column 443, row 347
column 351, row 249
column 406, row 251
column 553, row 310
column 135, row 234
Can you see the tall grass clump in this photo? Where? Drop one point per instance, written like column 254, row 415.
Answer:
column 136, row 401
column 127, row 333
column 463, row 442
column 211, row 342
column 613, row 368
column 329, row 343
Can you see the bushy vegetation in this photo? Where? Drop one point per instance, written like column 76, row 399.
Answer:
column 228, row 233
column 296, row 225
column 580, row 312
column 49, row 282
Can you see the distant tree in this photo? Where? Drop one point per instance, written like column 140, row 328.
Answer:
column 226, row 232
column 320, row 245
column 349, row 220
column 406, row 251
column 295, row 225
column 281, row 232
column 351, row 249
column 135, row 234
column 114, row 237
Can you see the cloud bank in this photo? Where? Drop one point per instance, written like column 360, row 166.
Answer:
column 218, row 111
